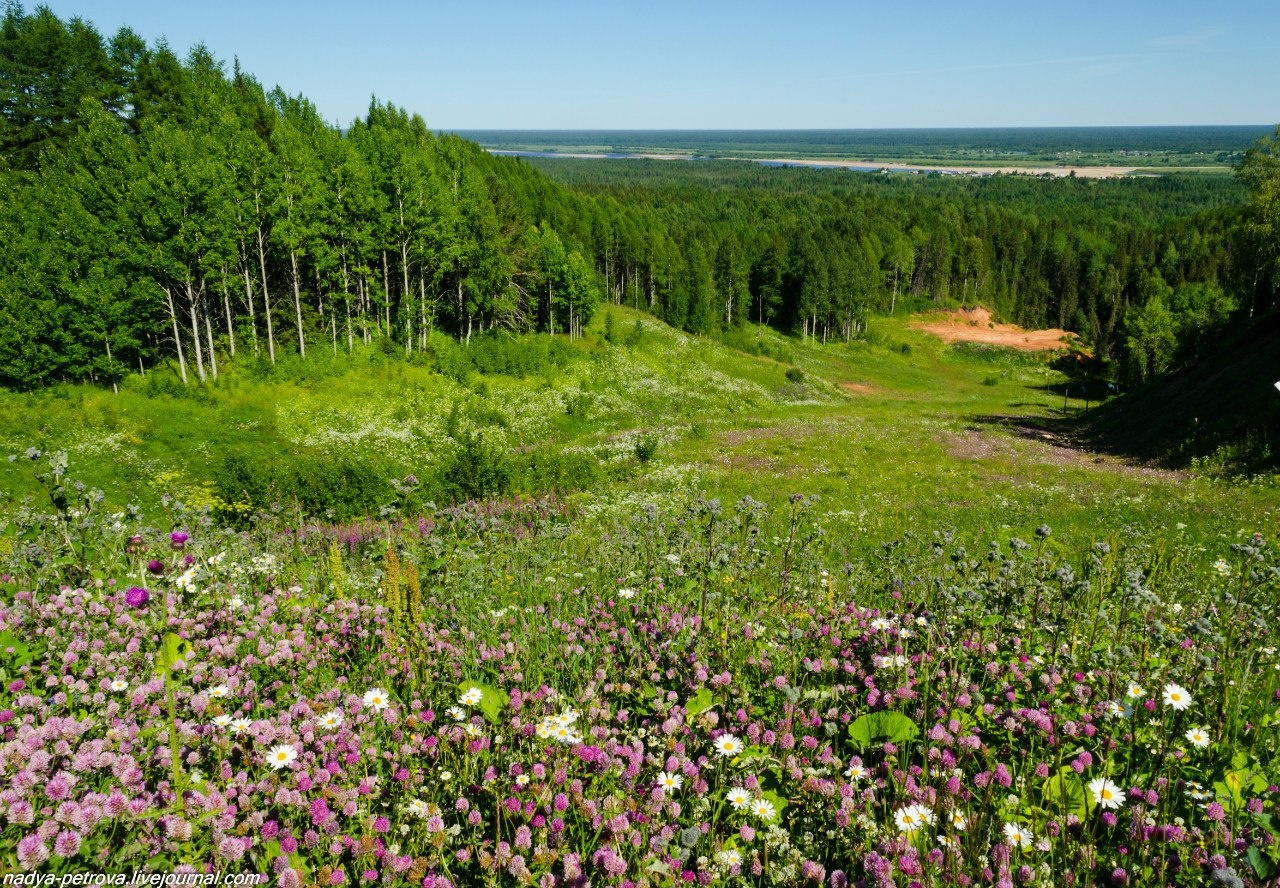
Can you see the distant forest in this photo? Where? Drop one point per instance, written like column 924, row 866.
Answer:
column 1210, row 141
column 160, row 210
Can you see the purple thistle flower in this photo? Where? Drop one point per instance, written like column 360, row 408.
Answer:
column 178, row 539
column 155, row 567
column 136, row 596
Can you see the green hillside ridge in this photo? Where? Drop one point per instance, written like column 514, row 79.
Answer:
column 1221, row 414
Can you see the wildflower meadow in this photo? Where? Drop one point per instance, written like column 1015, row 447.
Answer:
column 514, row 692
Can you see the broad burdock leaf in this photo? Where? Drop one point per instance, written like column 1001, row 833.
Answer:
column 892, row 727
column 175, row 649
column 492, row 700
column 699, row 703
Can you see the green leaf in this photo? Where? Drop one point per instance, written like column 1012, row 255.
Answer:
column 175, row 648
column 658, row 867
column 492, row 700
column 1065, row 791
column 893, row 727
column 779, row 804
column 1263, row 865
column 13, row 651
column 699, row 703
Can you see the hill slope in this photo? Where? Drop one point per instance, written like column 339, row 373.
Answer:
column 1222, row 414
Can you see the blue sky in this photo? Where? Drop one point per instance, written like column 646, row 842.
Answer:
column 749, row 65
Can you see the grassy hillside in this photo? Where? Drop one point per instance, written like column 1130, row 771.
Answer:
column 894, row 432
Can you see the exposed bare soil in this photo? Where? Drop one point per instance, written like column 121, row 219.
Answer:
column 976, row 325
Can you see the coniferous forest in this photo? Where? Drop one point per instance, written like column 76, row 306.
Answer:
column 159, row 209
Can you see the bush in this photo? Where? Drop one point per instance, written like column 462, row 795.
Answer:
column 646, row 447
column 636, row 336
column 543, row 470
column 519, row 356
column 451, row 359
column 795, row 374
column 336, row 485
column 475, row 469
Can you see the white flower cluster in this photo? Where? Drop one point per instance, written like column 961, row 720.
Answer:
column 562, row 728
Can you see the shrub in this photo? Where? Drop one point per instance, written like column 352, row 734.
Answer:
column 451, row 359
column 646, row 447
column 336, row 485
column 795, row 374
column 475, row 469
column 636, row 336
column 543, row 470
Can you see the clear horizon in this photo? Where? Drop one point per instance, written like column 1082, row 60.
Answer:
column 742, row 66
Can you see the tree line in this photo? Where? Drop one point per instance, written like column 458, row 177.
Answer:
column 162, row 210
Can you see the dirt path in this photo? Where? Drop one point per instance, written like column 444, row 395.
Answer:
column 976, row 325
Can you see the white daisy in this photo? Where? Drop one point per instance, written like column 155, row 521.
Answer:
column 727, row 745
column 880, row 624
column 729, row 857
column 626, row 593
column 376, row 699
column 418, row 808
column 738, row 797
column 240, row 725
column 119, row 685
column 1134, row 691
column 1017, row 836
column 472, row 697
column 236, row 602
column 280, row 756
column 522, row 780
column 330, row 720
column 763, row 808
column 472, row 730
column 217, row 692
column 1223, row 569
column 221, row 721
column 856, row 772
column 1176, row 696
column 1118, row 710
column 1198, row 737
column 669, row 781
column 1106, row 793
column 958, row 821
column 909, row 819
column 455, row 713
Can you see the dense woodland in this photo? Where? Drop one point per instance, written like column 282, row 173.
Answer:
column 160, row 211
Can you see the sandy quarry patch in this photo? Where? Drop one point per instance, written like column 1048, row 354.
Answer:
column 856, row 388
column 976, row 325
